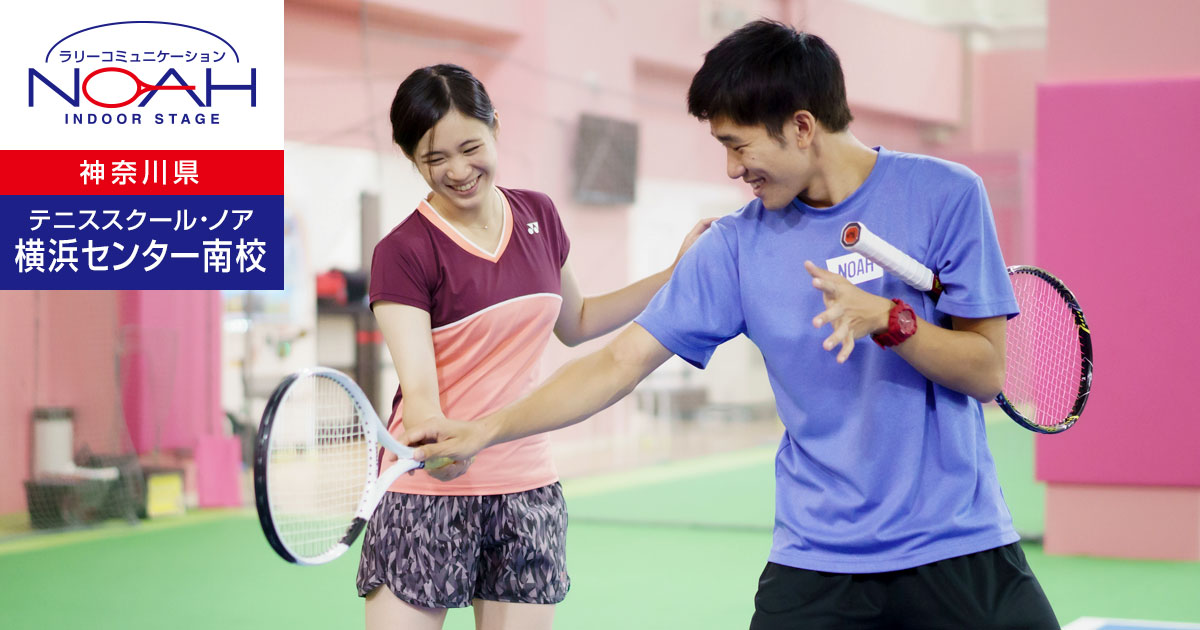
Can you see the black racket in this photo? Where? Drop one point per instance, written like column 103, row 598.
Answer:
column 1049, row 351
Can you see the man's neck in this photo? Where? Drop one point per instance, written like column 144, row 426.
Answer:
column 842, row 164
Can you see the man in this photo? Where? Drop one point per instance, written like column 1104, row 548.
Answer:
column 888, row 510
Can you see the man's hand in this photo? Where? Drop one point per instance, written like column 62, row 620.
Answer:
column 442, row 468
column 852, row 312
column 459, row 441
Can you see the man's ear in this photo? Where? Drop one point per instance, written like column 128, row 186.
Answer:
column 806, row 127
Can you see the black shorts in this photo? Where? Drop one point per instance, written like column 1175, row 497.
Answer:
column 988, row 590
column 444, row 551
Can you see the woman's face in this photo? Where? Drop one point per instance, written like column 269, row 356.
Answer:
column 457, row 157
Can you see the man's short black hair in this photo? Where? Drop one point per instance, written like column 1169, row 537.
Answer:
column 766, row 71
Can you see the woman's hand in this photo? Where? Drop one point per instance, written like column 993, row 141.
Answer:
column 691, row 237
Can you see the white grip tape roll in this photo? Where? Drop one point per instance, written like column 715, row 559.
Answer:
column 894, row 261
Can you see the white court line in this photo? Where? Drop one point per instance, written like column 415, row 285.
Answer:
column 1098, row 623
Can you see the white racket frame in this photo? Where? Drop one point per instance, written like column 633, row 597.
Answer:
column 374, row 485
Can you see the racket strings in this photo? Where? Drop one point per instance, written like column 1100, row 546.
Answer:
column 1043, row 353
column 317, row 466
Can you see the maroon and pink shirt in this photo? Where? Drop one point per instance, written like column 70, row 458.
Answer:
column 491, row 314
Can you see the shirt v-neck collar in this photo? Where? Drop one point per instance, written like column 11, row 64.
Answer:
column 469, row 246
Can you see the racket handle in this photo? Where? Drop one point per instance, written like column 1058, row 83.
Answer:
column 858, row 239
column 356, row 528
column 438, row 462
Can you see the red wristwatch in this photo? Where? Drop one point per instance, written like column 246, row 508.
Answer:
column 902, row 324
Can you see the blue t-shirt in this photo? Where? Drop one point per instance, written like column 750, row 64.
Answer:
column 879, row 469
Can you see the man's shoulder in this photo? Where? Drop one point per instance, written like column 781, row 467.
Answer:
column 741, row 221
column 930, row 170
column 742, row 218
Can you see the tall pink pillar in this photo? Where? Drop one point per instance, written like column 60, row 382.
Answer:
column 171, row 360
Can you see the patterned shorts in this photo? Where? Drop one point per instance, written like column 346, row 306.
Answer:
column 444, row 551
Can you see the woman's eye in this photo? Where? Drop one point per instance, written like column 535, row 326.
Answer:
column 472, row 150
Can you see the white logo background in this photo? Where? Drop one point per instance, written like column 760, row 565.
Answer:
column 254, row 29
column 854, row 268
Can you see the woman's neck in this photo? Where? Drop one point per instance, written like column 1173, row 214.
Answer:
column 485, row 216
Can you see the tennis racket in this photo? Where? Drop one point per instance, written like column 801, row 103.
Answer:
column 316, row 465
column 1048, row 359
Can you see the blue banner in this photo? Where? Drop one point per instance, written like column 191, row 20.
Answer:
column 142, row 242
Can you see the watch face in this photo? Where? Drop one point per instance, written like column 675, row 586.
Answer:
column 907, row 321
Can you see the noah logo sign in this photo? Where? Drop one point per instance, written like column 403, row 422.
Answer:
column 854, row 268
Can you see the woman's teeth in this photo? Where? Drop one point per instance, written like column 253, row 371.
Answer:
column 467, row 186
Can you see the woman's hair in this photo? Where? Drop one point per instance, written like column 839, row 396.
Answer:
column 766, row 71
column 427, row 94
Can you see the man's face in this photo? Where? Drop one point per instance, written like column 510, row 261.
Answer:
column 777, row 171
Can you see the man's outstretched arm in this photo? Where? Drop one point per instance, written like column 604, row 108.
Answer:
column 574, row 393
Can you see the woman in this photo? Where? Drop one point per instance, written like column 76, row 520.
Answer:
column 467, row 290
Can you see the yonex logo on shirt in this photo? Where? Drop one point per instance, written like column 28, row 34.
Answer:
column 532, row 227
column 854, row 268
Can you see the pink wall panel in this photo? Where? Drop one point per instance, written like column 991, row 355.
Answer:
column 326, row 51
column 18, row 347
column 1137, row 522
column 478, row 19
column 1004, row 99
column 218, row 462
column 671, row 143
column 1117, row 199
column 58, row 350
column 892, row 64
column 78, row 350
column 669, row 32
column 1117, row 39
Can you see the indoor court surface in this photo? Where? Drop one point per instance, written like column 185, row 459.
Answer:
column 677, row 545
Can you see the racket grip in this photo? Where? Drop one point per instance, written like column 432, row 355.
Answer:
column 356, row 528
column 858, row 239
column 438, row 462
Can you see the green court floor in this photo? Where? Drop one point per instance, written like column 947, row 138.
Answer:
column 673, row 546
